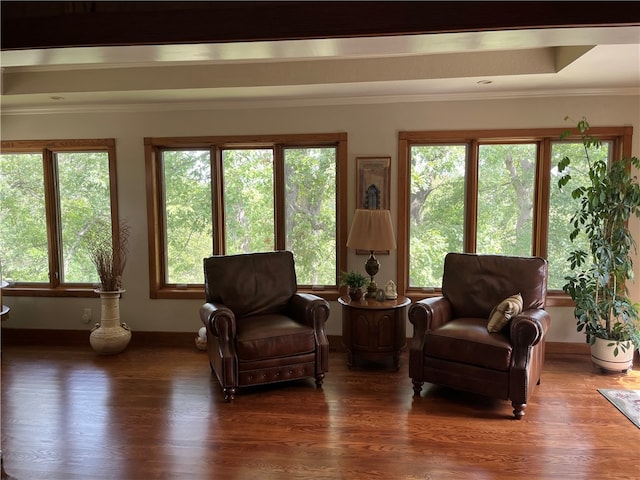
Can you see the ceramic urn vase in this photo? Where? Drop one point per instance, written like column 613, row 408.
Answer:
column 602, row 355
column 110, row 336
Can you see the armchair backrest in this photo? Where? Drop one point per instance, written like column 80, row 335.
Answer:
column 251, row 284
column 474, row 284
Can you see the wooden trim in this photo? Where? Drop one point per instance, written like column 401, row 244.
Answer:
column 541, row 199
column 342, row 202
column 512, row 135
column 27, row 25
column 52, row 215
column 247, row 141
column 471, row 198
column 567, row 348
column 153, row 217
column 67, row 145
column 403, row 252
column 27, row 336
column 279, row 189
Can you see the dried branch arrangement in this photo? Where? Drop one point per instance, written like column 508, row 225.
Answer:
column 108, row 253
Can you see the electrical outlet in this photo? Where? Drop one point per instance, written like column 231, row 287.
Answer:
column 86, row 315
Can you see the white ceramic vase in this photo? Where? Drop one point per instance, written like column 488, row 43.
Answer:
column 110, row 336
column 602, row 356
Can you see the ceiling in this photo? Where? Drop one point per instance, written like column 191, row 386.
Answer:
column 531, row 62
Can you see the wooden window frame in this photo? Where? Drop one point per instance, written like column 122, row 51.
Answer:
column 158, row 289
column 48, row 149
column 620, row 137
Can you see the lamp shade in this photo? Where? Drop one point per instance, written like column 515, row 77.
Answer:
column 372, row 230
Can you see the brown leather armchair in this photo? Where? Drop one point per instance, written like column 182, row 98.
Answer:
column 259, row 328
column 451, row 343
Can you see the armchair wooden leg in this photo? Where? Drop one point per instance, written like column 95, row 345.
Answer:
column 229, row 394
column 319, row 380
column 417, row 387
column 518, row 410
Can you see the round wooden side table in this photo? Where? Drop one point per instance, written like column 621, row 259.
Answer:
column 374, row 330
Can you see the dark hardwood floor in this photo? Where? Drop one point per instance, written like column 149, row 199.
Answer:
column 157, row 413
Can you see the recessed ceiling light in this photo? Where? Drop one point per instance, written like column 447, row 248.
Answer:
column 485, row 82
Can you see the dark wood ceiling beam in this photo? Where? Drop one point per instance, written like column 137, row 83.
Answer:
column 28, row 25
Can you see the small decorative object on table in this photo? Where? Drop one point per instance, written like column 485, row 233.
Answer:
column 201, row 339
column 390, row 290
column 380, row 296
column 355, row 282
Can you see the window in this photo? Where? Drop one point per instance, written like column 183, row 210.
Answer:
column 225, row 196
column 492, row 192
column 51, row 192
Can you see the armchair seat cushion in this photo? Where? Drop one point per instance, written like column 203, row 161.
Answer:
column 270, row 336
column 466, row 340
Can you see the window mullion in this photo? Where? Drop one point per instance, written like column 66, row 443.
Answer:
column 471, row 201
column 541, row 202
column 217, row 201
column 52, row 209
column 279, row 200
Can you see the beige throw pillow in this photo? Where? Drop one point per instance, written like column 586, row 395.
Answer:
column 503, row 312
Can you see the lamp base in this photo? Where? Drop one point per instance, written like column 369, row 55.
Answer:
column 371, row 267
column 372, row 289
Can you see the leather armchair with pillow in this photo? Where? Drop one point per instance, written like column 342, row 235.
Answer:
column 259, row 328
column 452, row 342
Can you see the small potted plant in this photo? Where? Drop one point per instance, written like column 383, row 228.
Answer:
column 598, row 283
column 355, row 282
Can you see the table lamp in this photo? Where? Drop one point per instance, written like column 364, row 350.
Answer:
column 372, row 230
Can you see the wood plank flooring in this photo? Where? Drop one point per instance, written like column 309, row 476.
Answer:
column 159, row 414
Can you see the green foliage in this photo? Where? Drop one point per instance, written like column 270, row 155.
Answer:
column 249, row 219
column 23, row 224
column 310, row 213
column 598, row 282
column 83, row 195
column 436, row 210
column 353, row 280
column 84, row 190
column 506, row 185
column 188, row 213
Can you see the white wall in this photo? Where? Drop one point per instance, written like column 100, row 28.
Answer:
column 372, row 130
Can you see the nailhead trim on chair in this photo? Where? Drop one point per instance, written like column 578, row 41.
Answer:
column 278, row 374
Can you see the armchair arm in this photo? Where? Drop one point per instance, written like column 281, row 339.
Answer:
column 425, row 315
column 428, row 314
column 528, row 328
column 313, row 311
column 309, row 309
column 219, row 320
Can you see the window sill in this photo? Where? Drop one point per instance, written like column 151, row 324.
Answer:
column 197, row 293
column 22, row 291
column 554, row 298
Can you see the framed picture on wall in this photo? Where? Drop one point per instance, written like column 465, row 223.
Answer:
column 372, row 182
column 372, row 187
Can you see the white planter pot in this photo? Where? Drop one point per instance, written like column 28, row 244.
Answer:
column 110, row 336
column 602, row 355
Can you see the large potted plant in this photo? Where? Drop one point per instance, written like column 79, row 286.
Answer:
column 598, row 283
column 109, row 256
